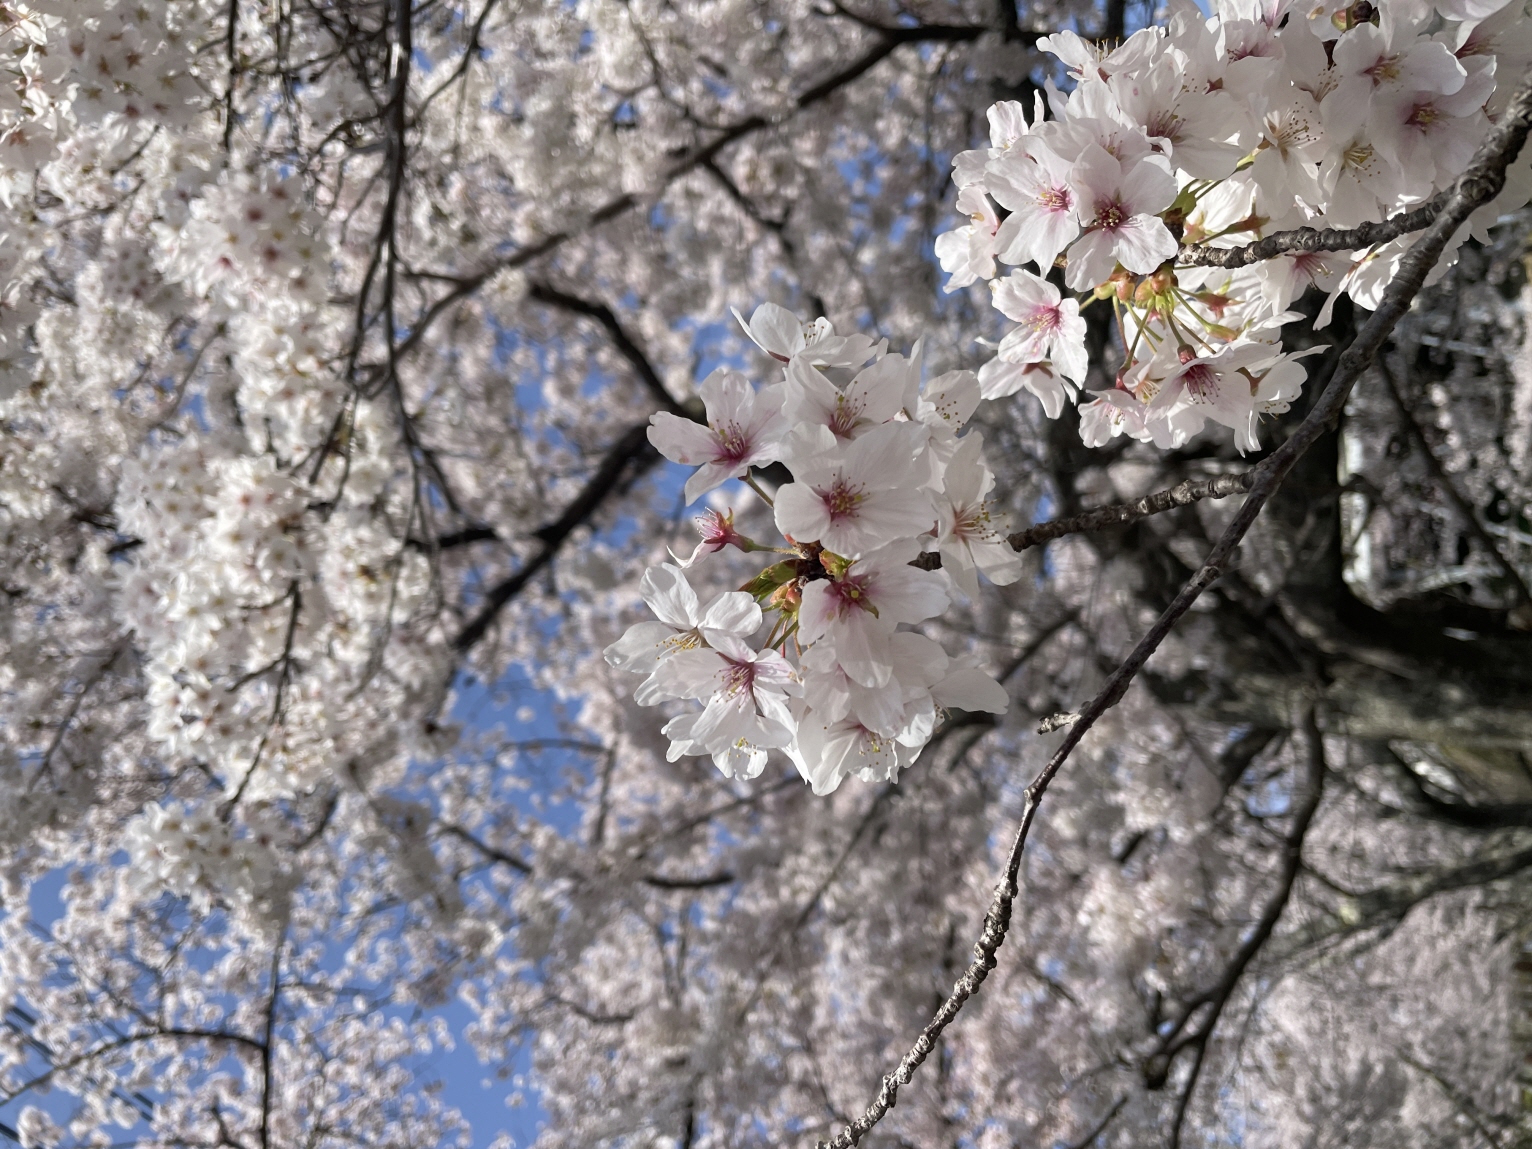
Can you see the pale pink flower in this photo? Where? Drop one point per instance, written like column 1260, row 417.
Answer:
column 744, row 429
column 970, row 533
column 968, row 253
column 873, row 397
column 1036, row 186
column 1433, row 136
column 857, row 611
column 681, row 623
column 1049, row 326
column 780, row 333
column 717, row 531
column 855, row 498
column 746, row 711
column 1119, row 206
column 1220, row 386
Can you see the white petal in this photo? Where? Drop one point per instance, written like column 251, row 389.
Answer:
column 669, row 595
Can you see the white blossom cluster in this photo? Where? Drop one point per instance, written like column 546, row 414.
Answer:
column 1265, row 117
column 880, row 475
column 194, row 853
column 83, row 78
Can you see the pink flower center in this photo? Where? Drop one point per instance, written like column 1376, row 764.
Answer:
column 1043, row 321
column 842, row 500
column 1166, row 125
column 1309, row 264
column 1055, row 199
column 1386, row 68
column 851, row 593
column 733, row 443
column 845, row 419
column 1110, row 214
column 739, row 678
column 1422, row 116
column 971, row 523
column 718, row 530
column 1201, row 382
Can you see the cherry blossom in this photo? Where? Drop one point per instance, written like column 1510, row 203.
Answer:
column 1038, row 189
column 784, row 337
column 683, row 624
column 859, row 606
column 744, row 430
column 1118, row 209
column 331, row 341
column 969, row 252
column 970, row 534
column 857, row 497
column 1050, row 327
column 746, row 712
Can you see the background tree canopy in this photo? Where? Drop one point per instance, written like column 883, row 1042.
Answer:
column 332, row 332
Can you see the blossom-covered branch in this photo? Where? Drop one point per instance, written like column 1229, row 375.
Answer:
column 1481, row 181
column 889, row 41
column 1207, row 1008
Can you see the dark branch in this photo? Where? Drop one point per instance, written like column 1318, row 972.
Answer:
column 630, row 350
column 1308, row 239
column 633, row 448
column 1391, row 903
column 487, row 850
column 1216, row 999
column 1500, row 816
column 1099, row 1128
column 1120, row 514
column 454, row 539
column 657, row 881
column 888, row 43
column 710, row 881
column 1448, row 488
column 268, row 1053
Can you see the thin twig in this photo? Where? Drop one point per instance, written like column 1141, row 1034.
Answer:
column 1099, row 1128
column 633, row 448
column 888, row 42
column 1120, row 514
column 268, row 1067
column 1216, row 999
column 602, row 314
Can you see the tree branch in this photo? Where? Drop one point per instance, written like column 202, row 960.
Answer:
column 454, row 539
column 707, row 882
column 1099, row 1128
column 657, row 881
column 1181, row 495
column 630, row 350
column 1118, row 514
column 268, row 1067
column 632, row 448
column 1448, row 488
column 487, row 850
column 1308, row 239
column 1157, row 1066
column 1481, row 182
